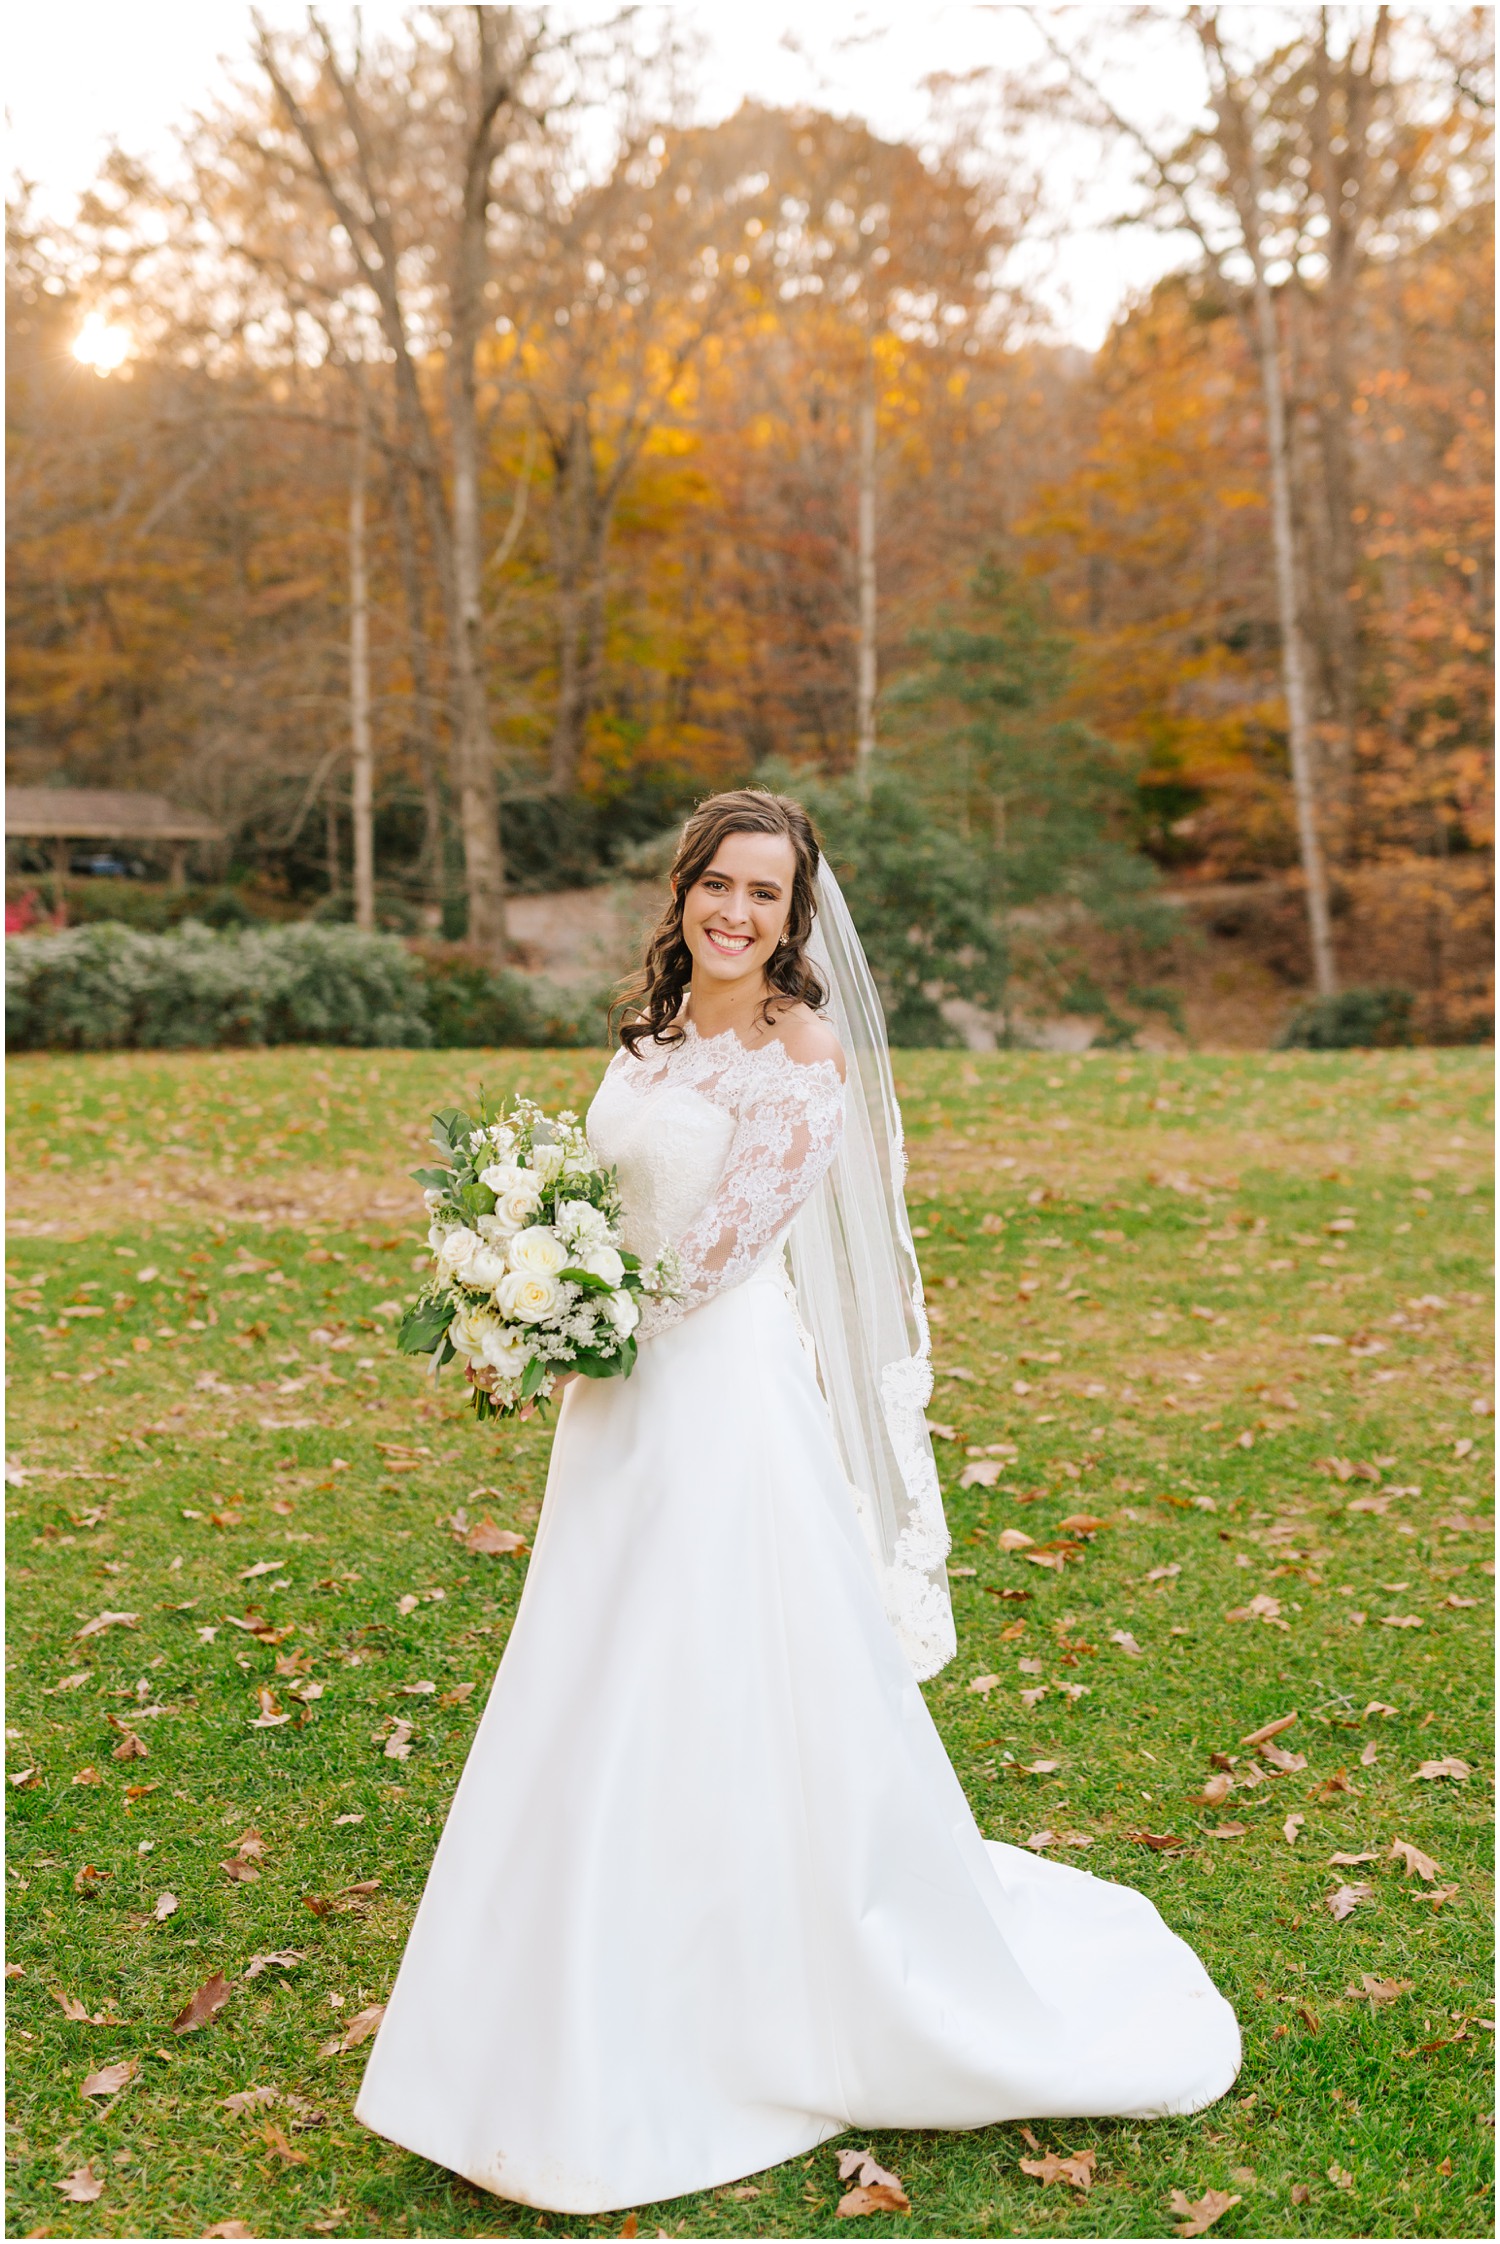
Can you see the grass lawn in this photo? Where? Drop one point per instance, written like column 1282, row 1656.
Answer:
column 1232, row 1309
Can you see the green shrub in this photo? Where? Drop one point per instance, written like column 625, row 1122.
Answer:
column 107, row 987
column 104, row 988
column 468, row 1004
column 1380, row 1013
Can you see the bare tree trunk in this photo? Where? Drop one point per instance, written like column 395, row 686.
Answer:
column 331, row 835
column 432, row 858
column 864, row 742
column 1293, row 665
column 1237, row 140
column 580, row 544
column 363, row 756
column 474, row 758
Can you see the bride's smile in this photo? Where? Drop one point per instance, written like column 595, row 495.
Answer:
column 734, row 918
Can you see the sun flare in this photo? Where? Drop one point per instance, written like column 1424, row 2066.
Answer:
column 102, row 345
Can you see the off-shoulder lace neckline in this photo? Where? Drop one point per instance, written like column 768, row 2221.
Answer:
column 692, row 1034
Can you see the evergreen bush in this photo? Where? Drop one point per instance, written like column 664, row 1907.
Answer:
column 1375, row 1014
column 108, row 987
column 105, row 987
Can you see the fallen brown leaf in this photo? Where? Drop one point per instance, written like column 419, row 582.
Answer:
column 204, row 2006
column 487, row 1539
column 279, row 1959
column 166, row 1906
column 1412, row 1859
column 1230, row 1831
column 103, row 1621
column 351, row 1901
column 877, row 2199
column 1270, row 1729
column 1076, row 2170
column 109, row 2079
column 1197, row 2215
column 248, row 2100
column 83, row 2186
column 229, row 2228
column 1451, row 1767
column 1378, row 1992
column 1160, row 1842
column 876, row 2189
column 359, row 2028
column 278, row 2144
column 1346, row 1899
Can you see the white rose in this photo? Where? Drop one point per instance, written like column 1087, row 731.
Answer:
column 480, row 1338
column 485, row 1267
column 455, row 1249
column 582, row 1224
column 432, row 1198
column 517, row 1196
column 436, row 1234
column 604, row 1263
column 624, row 1311
column 504, row 1351
column 547, row 1162
column 528, row 1296
column 539, row 1252
column 580, row 1163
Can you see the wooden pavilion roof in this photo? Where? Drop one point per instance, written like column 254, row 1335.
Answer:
column 101, row 814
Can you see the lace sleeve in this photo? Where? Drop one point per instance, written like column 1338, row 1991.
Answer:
column 784, row 1140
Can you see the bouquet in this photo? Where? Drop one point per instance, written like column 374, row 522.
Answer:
column 530, row 1278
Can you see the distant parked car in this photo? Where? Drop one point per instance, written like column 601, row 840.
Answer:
column 105, row 865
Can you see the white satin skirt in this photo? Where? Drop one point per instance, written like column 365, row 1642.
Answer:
column 710, row 1892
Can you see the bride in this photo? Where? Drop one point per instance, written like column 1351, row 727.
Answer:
column 710, row 1892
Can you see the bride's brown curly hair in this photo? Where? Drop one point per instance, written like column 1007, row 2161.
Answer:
column 655, row 998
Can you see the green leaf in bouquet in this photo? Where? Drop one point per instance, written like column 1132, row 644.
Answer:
column 589, row 1280
column 423, row 1326
column 631, row 1261
column 532, row 1377
column 432, row 1180
column 451, row 1128
column 595, row 1366
column 476, row 1199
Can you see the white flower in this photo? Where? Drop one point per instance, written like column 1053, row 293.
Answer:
column 581, row 1224
column 527, row 1296
column 538, row 1252
column 454, row 1250
column 604, row 1263
column 484, row 1267
column 547, row 1162
column 623, row 1311
column 518, row 1195
column 580, row 1162
column 502, row 1139
column 432, row 1198
column 436, row 1234
column 480, row 1338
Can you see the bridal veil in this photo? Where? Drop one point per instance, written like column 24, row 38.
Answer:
column 859, row 1294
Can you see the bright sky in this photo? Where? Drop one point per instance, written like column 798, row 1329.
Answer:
column 83, row 73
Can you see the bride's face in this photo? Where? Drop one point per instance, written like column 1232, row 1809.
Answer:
column 735, row 913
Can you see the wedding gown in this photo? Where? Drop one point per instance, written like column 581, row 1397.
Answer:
column 709, row 1892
